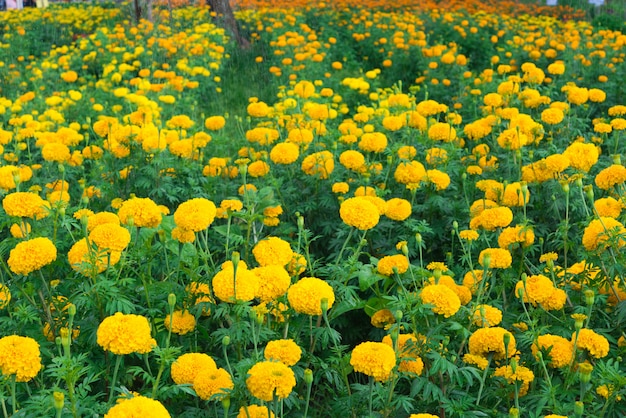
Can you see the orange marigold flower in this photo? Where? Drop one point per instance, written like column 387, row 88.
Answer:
column 373, row 359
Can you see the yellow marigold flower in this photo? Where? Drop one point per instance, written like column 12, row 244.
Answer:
column 69, row 76
column 559, row 350
column 521, row 374
column 515, row 194
column 365, row 191
column 285, row 351
column 5, row 296
column 581, row 156
column 183, row 235
column 596, row 345
column 10, row 173
column 394, row 123
column 444, row 300
column 536, row 290
column 319, row 164
column 195, row 214
column 499, row 258
column 19, row 356
column 387, row 265
column 435, row 156
column 213, row 384
column 31, row 255
column 340, row 188
column 181, row 322
column 214, row 123
column 469, row 235
column 267, row 379
column 285, row 153
column 274, row 282
column 478, row 361
column 552, row 116
column 410, row 174
column 255, row 411
column 125, row 334
column 608, row 207
column 492, row 218
column 486, row 316
column 187, row 366
column 410, row 361
column 407, row 152
column 258, row 169
column 373, row 142
column 272, row 251
column 599, row 231
column 230, row 287
column 142, row 212
column 619, row 124
column 611, row 176
column 472, row 280
column 352, row 160
column 56, row 152
column 25, row 205
column 551, row 256
column 360, row 213
column 438, row 178
column 442, row 131
column 423, row 416
column 138, row 406
column 110, row 237
column 101, row 218
column 485, row 341
column 307, row 295
column 597, row 95
column 297, row 265
column 88, row 261
column 382, row 318
column 521, row 234
column 373, row 359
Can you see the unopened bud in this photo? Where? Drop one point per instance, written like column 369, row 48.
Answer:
column 59, row 400
column 308, row 376
column 590, row 297
column 171, row 300
column 585, row 370
column 324, row 305
column 579, row 408
column 226, row 340
column 513, row 413
column 71, row 310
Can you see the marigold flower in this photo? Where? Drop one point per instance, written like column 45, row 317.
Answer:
column 410, row 361
column 25, row 205
column 19, row 356
column 411, row 174
column 596, row 345
column 272, row 251
column 181, row 322
column 5, row 296
column 398, row 209
column 187, row 366
column 55, row 152
column 387, row 265
column 608, row 207
column 267, row 379
column 101, row 218
column 195, row 214
column 599, row 231
column 439, row 179
column 560, row 350
column 88, row 261
column 138, row 406
column 611, row 176
column 182, row 235
column 492, row 218
column 478, row 361
column 255, row 411
column 31, row 255
column 382, row 318
column 444, row 300
column 486, row 316
column 373, row 142
column 485, row 341
column 285, row 351
column 552, row 116
column 258, row 168
column 142, row 211
column 230, row 287
column 360, row 213
column 213, row 384
column 340, row 188
column 352, row 160
column 441, row 131
column 285, row 153
column 125, row 334
column 521, row 374
column 499, row 258
column 307, row 294
column 521, row 234
column 581, row 156
column 274, row 281
column 319, row 164
column 110, row 237
column 214, row 123
column 469, row 235
column 373, row 359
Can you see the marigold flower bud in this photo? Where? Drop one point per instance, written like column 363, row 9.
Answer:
column 308, row 376
column 59, row 400
column 589, row 297
column 171, row 300
column 226, row 340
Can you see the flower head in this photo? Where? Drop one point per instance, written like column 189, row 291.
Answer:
column 272, row 251
column 267, row 379
column 19, row 356
column 444, row 300
column 360, row 213
column 187, row 366
column 138, row 406
column 195, row 214
column 31, row 255
column 125, row 334
column 142, row 211
column 373, row 359
column 211, row 384
column 180, row 322
column 307, row 294
column 285, row 351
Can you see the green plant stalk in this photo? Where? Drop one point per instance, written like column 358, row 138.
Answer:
column 118, row 361
column 343, row 247
column 482, row 380
column 4, row 407
column 167, row 345
column 13, row 394
column 370, row 397
column 309, row 386
column 549, row 380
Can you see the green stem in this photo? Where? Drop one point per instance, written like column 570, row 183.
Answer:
column 371, row 396
column 13, row 395
column 118, row 361
column 343, row 247
column 482, row 381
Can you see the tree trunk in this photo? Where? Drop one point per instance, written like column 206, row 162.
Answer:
column 225, row 14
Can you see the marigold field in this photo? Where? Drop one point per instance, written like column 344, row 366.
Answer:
column 374, row 209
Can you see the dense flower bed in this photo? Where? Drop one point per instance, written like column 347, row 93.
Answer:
column 424, row 218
